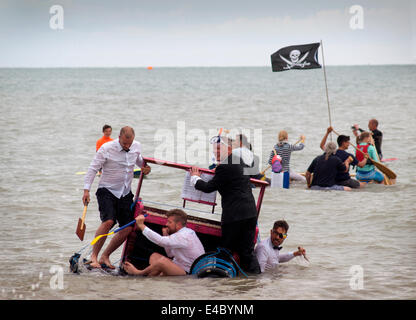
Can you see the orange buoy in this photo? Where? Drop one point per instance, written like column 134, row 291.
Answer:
column 149, row 68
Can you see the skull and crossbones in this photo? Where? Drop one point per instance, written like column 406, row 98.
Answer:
column 295, row 60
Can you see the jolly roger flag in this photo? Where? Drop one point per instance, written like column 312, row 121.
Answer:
column 302, row 57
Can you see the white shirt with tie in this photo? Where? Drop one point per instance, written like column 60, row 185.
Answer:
column 269, row 257
column 184, row 245
column 117, row 167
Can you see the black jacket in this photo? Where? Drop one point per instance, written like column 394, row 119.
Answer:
column 237, row 200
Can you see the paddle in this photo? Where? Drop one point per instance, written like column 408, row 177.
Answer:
column 386, row 178
column 81, row 225
column 304, row 255
column 388, row 172
column 264, row 171
column 115, row 231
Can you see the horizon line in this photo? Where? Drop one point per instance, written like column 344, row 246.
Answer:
column 152, row 66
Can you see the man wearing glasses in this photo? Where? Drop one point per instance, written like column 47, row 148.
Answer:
column 268, row 251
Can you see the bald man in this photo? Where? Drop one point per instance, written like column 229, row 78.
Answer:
column 117, row 159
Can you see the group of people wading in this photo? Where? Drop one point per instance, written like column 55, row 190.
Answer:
column 330, row 171
column 116, row 159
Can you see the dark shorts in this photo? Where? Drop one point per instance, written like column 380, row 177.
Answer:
column 352, row 183
column 112, row 208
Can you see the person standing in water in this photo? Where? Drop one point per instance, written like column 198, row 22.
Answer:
column 117, row 159
column 284, row 149
column 107, row 130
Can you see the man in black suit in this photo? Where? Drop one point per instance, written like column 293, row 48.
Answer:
column 239, row 212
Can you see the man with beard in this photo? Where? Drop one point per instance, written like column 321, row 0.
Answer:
column 268, row 251
column 179, row 242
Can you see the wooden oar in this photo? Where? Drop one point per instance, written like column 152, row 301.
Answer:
column 304, row 174
column 263, row 178
column 386, row 178
column 297, row 142
column 388, row 172
column 268, row 167
column 304, row 255
column 81, row 225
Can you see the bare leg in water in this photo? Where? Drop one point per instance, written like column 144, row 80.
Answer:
column 114, row 244
column 158, row 266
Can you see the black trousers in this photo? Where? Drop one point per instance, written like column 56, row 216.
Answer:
column 238, row 237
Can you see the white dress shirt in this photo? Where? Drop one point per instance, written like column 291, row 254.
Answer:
column 184, row 245
column 245, row 154
column 117, row 167
column 268, row 257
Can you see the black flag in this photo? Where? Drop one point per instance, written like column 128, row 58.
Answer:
column 303, row 56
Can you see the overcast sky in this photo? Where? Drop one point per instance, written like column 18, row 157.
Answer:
column 129, row 33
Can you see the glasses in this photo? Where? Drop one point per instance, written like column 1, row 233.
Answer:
column 217, row 139
column 280, row 235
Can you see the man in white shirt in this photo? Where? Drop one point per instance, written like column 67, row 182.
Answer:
column 179, row 242
column 117, row 159
column 268, row 250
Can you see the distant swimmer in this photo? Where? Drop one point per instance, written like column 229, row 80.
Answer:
column 107, row 130
column 377, row 134
column 368, row 172
column 325, row 169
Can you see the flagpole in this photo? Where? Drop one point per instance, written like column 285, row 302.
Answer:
column 326, row 87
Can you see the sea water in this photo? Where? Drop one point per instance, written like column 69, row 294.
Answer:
column 361, row 244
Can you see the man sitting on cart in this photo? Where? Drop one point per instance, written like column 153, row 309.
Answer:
column 179, row 242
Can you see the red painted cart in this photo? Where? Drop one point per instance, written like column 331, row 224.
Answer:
column 137, row 248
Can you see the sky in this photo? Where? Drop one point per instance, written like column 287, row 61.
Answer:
column 169, row 33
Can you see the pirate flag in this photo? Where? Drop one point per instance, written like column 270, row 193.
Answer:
column 296, row 57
